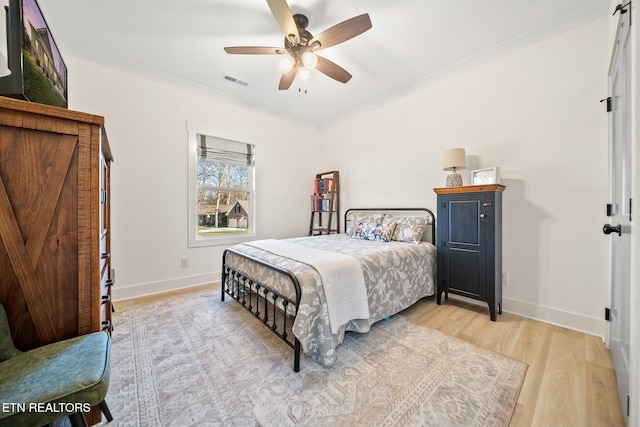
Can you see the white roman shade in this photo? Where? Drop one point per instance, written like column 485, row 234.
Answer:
column 211, row 148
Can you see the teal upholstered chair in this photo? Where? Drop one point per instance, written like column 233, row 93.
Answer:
column 53, row 381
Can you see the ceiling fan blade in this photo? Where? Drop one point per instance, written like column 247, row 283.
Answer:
column 283, row 15
column 255, row 50
column 287, row 78
column 342, row 32
column 332, row 70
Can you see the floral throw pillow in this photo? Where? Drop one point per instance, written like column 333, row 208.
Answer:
column 377, row 231
column 358, row 218
column 409, row 229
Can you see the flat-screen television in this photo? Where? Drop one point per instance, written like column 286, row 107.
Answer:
column 38, row 73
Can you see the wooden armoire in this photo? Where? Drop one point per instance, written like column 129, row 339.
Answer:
column 55, row 251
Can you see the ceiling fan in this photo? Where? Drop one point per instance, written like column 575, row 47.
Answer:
column 300, row 45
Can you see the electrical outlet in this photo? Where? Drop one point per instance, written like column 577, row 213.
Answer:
column 505, row 279
column 184, row 262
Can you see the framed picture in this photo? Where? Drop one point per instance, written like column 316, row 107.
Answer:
column 485, row 176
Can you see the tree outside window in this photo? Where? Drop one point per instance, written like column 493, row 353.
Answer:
column 223, row 186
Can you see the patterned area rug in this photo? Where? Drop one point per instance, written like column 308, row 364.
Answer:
column 195, row 361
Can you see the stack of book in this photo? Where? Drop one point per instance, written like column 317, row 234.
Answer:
column 320, row 204
column 323, row 185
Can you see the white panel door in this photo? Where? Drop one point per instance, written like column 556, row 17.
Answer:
column 619, row 228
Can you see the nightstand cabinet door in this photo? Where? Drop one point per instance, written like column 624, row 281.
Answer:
column 469, row 241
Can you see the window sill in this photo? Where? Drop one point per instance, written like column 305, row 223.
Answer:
column 199, row 242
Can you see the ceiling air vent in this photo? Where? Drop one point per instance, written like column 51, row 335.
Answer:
column 235, row 80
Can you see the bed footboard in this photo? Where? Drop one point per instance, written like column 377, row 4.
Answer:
column 263, row 301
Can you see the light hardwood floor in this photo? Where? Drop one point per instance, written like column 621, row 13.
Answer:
column 570, row 380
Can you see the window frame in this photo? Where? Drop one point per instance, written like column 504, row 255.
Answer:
column 195, row 240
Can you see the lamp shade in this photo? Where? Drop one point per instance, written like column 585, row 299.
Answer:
column 455, row 159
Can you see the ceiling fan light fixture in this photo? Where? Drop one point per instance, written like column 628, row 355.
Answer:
column 300, row 45
column 287, row 63
column 305, row 74
column 309, row 60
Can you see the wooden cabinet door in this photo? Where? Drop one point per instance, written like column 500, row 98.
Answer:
column 462, row 245
column 38, row 227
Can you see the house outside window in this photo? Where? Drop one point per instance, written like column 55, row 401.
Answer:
column 222, row 197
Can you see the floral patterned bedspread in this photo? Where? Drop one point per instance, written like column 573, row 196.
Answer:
column 397, row 275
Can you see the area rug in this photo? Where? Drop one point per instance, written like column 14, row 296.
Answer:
column 192, row 360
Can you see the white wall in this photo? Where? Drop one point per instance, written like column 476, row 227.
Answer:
column 146, row 127
column 536, row 115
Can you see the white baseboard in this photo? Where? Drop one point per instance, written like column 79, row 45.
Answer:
column 553, row 316
column 565, row 319
column 119, row 293
column 574, row 321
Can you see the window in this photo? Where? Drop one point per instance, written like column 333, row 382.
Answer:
column 221, row 202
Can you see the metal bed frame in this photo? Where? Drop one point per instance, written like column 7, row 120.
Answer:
column 254, row 296
column 262, row 301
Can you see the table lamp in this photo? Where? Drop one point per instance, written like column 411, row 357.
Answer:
column 454, row 159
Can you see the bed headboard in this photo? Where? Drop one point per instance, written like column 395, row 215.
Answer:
column 429, row 234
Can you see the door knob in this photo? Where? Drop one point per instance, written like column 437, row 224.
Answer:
column 608, row 229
